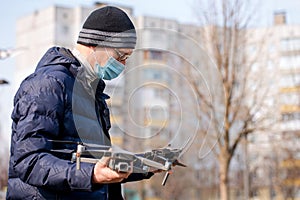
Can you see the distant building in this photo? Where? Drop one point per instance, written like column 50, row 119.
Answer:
column 270, row 151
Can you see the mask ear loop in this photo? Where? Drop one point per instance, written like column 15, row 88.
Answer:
column 97, row 67
column 94, row 55
column 96, row 62
column 108, row 55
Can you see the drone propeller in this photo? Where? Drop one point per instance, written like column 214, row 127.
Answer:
column 176, row 162
column 90, row 145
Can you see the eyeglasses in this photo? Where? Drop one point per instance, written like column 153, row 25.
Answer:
column 122, row 56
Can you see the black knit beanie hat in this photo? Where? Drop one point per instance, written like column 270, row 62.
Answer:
column 108, row 27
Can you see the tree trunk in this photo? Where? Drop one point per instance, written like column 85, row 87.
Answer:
column 223, row 173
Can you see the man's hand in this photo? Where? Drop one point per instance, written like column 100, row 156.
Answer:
column 103, row 174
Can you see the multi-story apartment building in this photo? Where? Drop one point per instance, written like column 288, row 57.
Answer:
column 289, row 88
column 42, row 29
column 275, row 152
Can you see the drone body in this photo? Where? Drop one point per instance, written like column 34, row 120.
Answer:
column 123, row 161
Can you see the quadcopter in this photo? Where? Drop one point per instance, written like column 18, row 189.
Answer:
column 161, row 159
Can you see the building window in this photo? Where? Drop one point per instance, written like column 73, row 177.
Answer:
column 290, row 62
column 290, row 44
column 65, row 29
column 290, row 98
column 154, row 74
column 65, row 16
column 157, row 75
column 146, row 53
column 290, row 80
column 290, row 116
column 155, row 55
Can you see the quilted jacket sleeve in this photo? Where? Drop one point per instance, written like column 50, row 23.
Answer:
column 37, row 117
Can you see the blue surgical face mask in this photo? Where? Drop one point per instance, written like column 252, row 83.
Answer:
column 110, row 70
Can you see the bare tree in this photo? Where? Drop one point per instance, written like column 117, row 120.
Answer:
column 239, row 108
column 3, row 153
column 178, row 186
column 3, row 164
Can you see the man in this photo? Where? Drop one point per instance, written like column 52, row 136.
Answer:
column 63, row 100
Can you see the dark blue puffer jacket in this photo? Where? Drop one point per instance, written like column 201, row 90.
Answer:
column 57, row 103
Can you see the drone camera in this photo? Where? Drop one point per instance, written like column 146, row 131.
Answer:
column 123, row 167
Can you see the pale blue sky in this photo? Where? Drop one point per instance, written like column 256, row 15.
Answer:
column 181, row 10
